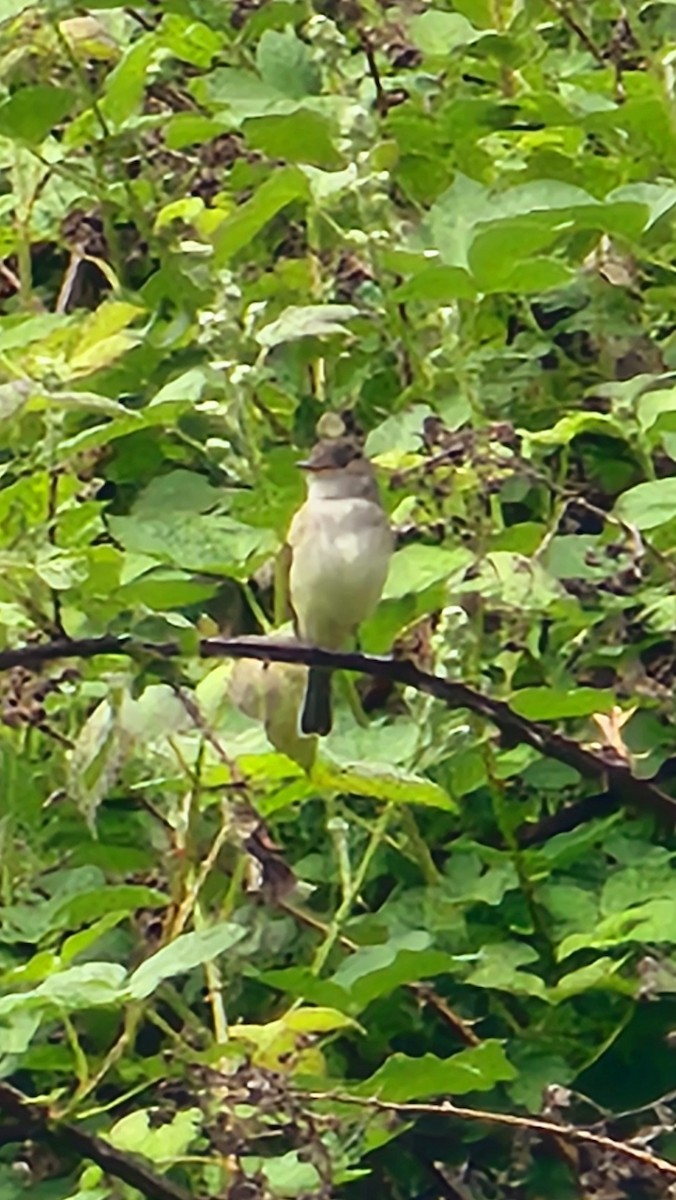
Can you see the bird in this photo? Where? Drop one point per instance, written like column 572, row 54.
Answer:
column 340, row 545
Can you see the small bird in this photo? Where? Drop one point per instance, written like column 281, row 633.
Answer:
column 341, row 544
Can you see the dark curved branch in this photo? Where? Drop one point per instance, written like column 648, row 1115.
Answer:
column 35, row 1122
column 603, row 765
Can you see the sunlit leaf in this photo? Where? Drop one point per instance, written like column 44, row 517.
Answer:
column 183, row 954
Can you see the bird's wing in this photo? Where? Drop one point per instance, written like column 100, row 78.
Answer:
column 283, row 606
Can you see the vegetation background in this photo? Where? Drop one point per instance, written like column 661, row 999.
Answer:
column 455, row 222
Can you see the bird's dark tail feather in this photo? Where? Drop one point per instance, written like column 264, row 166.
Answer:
column 316, row 715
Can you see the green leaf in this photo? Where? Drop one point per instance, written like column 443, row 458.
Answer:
column 317, row 1020
column 104, row 337
column 404, row 1078
column 500, row 969
column 17, row 332
column 183, row 491
column 287, row 1174
column 601, row 975
column 299, row 137
column 642, row 923
column 285, row 64
column 186, row 129
column 377, row 970
column 190, row 40
column 125, row 85
column 648, row 504
column 436, row 285
column 159, row 1142
column 311, row 320
column 549, row 704
column 121, row 898
column 87, row 986
column 279, row 190
column 575, row 425
column 301, row 982
column 381, row 783
column 416, row 567
column 187, row 209
column 215, row 544
column 438, row 33
column 186, row 952
column 186, row 389
column 31, row 112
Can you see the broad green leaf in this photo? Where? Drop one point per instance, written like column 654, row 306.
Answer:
column 312, row 320
column 160, row 1142
column 404, row 1078
column 525, row 277
column 186, row 952
column 32, row 111
column 126, row 83
column 381, row 783
column 438, row 33
column 287, row 1174
column 416, row 567
column 500, row 969
column 549, row 704
column 601, row 975
column 436, row 285
column 186, row 209
column 274, row 194
column 469, row 881
column 212, row 543
column 399, row 434
column 105, row 337
column 185, row 389
column 376, row 970
column 648, row 504
column 317, row 1020
column 81, row 942
column 302, row 983
column 87, row 986
column 183, row 491
column 649, row 922
column 186, row 129
column 659, row 198
column 190, row 40
column 17, row 332
column 60, row 571
column 575, row 425
column 285, row 63
column 656, row 404
column 240, row 95
column 121, row 898
column 299, row 137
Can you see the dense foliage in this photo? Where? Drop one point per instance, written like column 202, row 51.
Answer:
column 453, row 223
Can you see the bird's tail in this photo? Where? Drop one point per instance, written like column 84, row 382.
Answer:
column 316, row 714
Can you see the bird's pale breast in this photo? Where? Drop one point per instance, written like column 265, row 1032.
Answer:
column 341, row 551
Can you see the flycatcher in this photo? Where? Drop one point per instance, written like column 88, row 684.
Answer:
column 341, row 545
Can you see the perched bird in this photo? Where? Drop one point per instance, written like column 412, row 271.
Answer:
column 341, row 544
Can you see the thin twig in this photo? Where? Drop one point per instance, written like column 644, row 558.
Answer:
column 191, row 897
column 352, row 892
column 581, row 34
column 446, row 1108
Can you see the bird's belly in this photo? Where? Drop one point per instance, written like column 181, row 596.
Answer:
column 336, row 581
